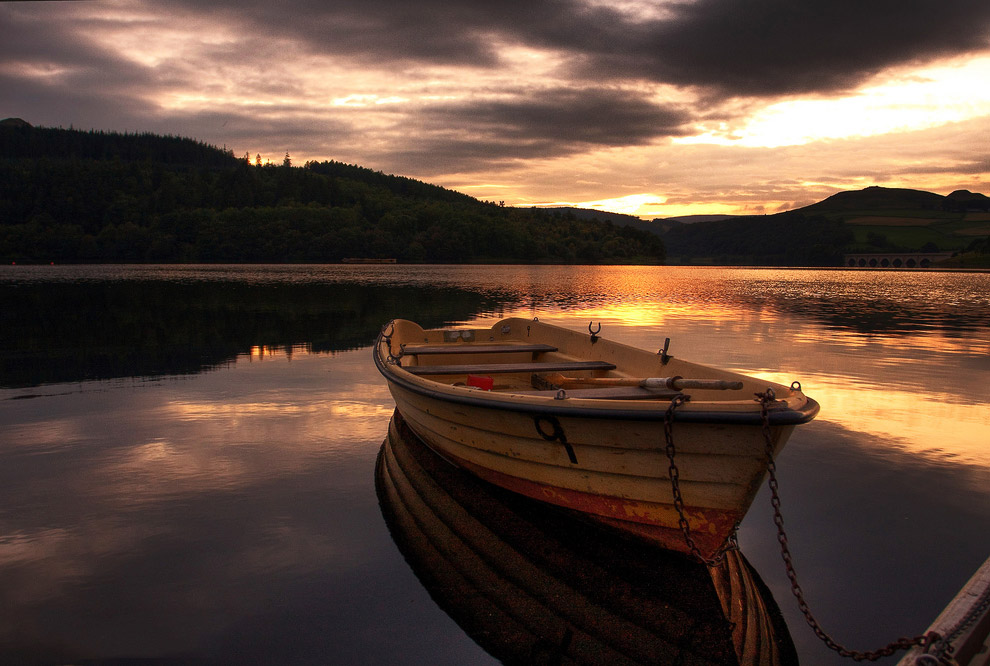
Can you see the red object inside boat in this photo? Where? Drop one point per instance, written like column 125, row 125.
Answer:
column 486, row 383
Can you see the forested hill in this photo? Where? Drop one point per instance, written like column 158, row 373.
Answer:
column 871, row 220
column 20, row 141
column 73, row 196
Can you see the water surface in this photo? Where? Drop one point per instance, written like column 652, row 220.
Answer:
column 187, row 458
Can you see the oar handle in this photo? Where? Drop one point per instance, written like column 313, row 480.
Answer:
column 679, row 384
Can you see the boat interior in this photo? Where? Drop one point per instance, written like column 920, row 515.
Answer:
column 480, row 359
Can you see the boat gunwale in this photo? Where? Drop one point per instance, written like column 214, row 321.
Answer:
column 550, row 406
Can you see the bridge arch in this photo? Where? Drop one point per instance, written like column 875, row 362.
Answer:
column 895, row 260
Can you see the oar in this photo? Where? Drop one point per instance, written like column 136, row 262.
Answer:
column 675, row 383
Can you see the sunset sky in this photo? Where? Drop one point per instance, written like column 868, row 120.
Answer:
column 652, row 108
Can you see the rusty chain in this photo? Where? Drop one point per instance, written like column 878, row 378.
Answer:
column 675, row 486
column 942, row 650
column 766, row 399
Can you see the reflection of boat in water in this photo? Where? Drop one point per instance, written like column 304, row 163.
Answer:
column 532, row 585
column 494, row 402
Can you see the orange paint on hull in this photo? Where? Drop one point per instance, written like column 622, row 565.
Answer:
column 655, row 523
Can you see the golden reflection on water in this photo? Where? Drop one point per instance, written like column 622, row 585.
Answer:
column 234, row 443
column 902, row 358
column 208, row 410
column 938, row 427
column 217, row 431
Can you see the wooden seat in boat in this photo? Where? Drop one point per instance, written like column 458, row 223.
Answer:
column 494, row 348
column 506, row 368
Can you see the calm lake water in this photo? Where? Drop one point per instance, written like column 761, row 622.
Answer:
column 188, row 454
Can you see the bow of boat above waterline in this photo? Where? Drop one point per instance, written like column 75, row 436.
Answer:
column 592, row 425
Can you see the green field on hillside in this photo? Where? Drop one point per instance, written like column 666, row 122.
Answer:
column 905, row 229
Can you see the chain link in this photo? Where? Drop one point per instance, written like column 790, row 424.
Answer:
column 766, row 400
column 942, row 649
column 675, row 486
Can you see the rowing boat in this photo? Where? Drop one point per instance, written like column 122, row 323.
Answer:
column 660, row 448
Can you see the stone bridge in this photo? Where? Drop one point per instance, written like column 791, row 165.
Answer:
column 895, row 259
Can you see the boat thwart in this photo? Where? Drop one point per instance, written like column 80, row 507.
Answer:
column 579, row 421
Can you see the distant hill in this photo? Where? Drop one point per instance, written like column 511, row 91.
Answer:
column 876, row 199
column 880, row 201
column 591, row 214
column 637, row 222
column 621, row 219
column 691, row 219
column 72, row 196
column 788, row 239
column 875, row 219
column 970, row 201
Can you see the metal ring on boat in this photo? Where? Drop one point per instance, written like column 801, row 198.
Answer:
column 558, row 432
column 795, row 386
column 769, row 396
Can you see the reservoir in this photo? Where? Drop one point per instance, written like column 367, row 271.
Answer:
column 189, row 459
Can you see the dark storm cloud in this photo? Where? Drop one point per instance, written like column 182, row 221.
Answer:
column 416, row 32
column 527, row 125
column 730, row 47
column 771, row 47
column 726, row 47
column 54, row 74
column 562, row 116
column 67, row 50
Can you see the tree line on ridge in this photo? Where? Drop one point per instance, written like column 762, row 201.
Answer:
column 73, row 196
